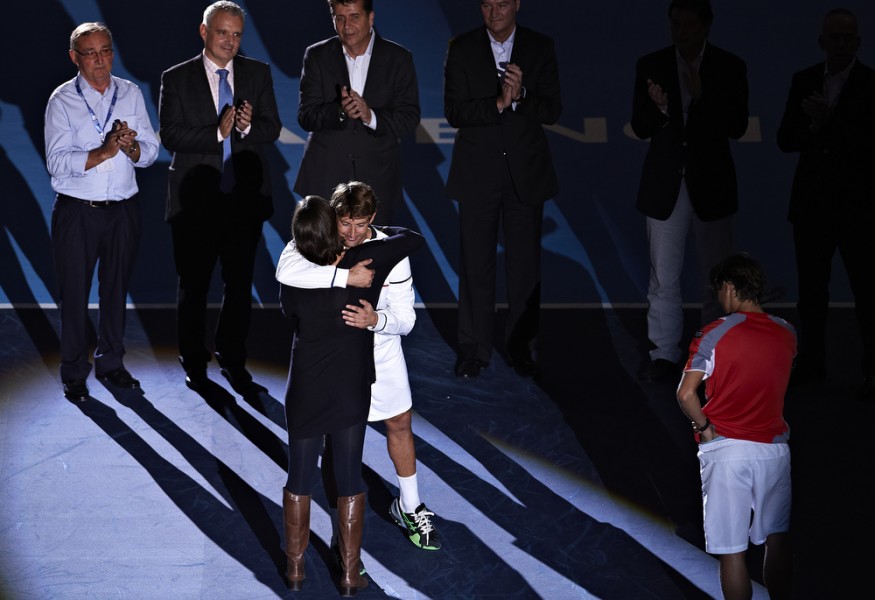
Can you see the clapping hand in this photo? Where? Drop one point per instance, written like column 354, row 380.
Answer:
column 657, row 94
column 121, row 137
column 243, row 115
column 511, row 86
column 817, row 109
column 354, row 105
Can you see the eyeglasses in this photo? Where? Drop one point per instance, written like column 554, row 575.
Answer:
column 93, row 54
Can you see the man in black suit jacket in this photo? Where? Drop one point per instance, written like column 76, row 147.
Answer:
column 689, row 100
column 358, row 97
column 501, row 85
column 216, row 205
column 830, row 121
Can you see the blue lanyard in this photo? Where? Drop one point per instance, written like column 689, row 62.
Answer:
column 94, row 120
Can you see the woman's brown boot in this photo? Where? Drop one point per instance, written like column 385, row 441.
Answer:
column 296, row 514
column 351, row 515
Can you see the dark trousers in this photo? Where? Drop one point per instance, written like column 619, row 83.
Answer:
column 479, row 221
column 85, row 237
column 816, row 242
column 341, row 463
column 229, row 236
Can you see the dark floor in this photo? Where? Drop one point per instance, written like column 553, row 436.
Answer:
column 583, row 485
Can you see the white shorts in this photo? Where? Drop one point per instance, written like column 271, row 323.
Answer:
column 738, row 477
column 390, row 394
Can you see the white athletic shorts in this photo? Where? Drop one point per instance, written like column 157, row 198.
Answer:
column 390, row 394
column 738, row 477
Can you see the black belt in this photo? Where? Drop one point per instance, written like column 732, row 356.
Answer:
column 91, row 203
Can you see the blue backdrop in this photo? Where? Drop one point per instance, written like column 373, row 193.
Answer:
column 595, row 250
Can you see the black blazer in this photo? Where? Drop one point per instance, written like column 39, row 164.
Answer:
column 188, row 121
column 318, row 399
column 698, row 150
column 341, row 150
column 836, row 169
column 488, row 142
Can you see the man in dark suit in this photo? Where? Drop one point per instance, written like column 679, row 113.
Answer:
column 689, row 100
column 358, row 97
column 219, row 191
column 830, row 121
column 501, row 85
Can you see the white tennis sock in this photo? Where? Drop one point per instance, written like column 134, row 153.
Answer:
column 409, row 493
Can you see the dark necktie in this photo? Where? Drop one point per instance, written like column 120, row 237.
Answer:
column 226, row 98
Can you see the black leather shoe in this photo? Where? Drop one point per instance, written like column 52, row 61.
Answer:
column 523, row 363
column 75, row 390
column 240, row 379
column 196, row 379
column 659, row 370
column 469, row 367
column 120, row 378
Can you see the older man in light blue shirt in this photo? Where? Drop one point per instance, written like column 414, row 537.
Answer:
column 97, row 131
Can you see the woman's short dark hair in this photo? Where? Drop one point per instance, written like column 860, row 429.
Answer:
column 744, row 273
column 314, row 229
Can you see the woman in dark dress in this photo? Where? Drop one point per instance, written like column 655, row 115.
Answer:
column 331, row 372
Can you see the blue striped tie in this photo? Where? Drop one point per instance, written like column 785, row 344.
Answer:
column 226, row 98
